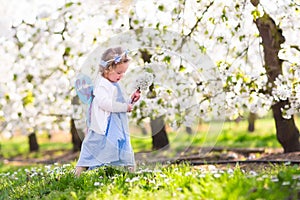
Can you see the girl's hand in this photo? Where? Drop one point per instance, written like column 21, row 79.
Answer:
column 135, row 96
column 129, row 108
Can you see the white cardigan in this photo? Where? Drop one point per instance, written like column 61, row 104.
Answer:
column 104, row 102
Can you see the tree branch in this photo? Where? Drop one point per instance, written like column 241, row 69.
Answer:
column 185, row 37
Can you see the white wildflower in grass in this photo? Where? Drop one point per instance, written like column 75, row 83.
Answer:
column 253, row 173
column 152, row 181
column 296, row 177
column 127, row 180
column 274, row 179
column 66, row 165
column 286, row 183
column 163, row 175
column 134, row 179
column 202, row 175
column 212, row 168
column 287, row 163
column 188, row 174
column 159, row 171
column 33, row 174
column 265, row 176
column 96, row 183
column 230, row 171
column 167, row 180
column 141, row 171
column 217, row 175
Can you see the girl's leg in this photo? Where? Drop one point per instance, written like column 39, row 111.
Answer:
column 79, row 170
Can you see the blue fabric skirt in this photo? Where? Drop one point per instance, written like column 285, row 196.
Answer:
column 113, row 148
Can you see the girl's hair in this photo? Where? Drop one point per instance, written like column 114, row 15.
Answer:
column 111, row 57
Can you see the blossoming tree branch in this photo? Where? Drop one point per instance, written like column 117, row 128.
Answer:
column 42, row 52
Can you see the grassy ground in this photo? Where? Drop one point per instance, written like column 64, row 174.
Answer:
column 19, row 146
column 155, row 182
column 168, row 182
column 229, row 134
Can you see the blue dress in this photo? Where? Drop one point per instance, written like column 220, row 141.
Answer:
column 113, row 148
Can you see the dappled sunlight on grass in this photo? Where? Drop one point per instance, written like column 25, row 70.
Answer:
column 19, row 146
column 229, row 134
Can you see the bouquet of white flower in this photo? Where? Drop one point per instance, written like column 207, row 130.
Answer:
column 143, row 81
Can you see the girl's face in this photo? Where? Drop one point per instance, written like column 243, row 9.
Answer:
column 116, row 74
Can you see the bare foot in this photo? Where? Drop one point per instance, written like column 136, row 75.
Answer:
column 79, row 170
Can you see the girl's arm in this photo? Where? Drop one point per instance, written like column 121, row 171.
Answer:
column 105, row 100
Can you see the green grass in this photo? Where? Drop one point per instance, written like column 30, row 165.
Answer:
column 218, row 134
column 227, row 134
column 169, row 182
column 19, row 146
column 237, row 135
column 156, row 182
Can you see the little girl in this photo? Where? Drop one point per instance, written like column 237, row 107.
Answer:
column 107, row 141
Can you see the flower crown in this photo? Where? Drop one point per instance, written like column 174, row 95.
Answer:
column 117, row 59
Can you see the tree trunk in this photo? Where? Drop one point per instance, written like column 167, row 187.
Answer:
column 33, row 144
column 251, row 122
column 77, row 135
column 76, row 140
column 286, row 130
column 159, row 134
column 158, row 128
